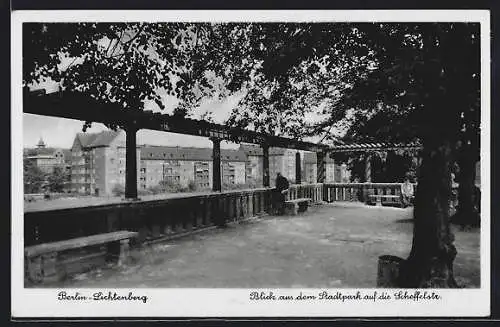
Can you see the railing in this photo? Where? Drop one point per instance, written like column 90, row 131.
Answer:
column 154, row 219
column 359, row 191
column 313, row 191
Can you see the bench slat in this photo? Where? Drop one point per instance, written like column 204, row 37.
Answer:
column 79, row 242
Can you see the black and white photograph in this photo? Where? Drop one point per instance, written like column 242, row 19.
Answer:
column 281, row 163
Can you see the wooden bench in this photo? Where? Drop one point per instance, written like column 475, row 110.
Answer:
column 292, row 207
column 380, row 199
column 42, row 260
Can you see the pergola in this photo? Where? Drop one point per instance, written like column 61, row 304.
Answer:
column 73, row 105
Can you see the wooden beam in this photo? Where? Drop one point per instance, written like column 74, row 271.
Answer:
column 298, row 170
column 73, row 105
column 321, row 166
column 216, row 176
column 265, row 165
column 77, row 106
column 131, row 163
column 368, row 168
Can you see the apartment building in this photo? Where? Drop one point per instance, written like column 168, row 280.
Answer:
column 98, row 162
column 280, row 160
column 284, row 161
column 182, row 165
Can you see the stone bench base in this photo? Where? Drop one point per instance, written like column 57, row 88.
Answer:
column 293, row 207
column 385, row 199
column 44, row 262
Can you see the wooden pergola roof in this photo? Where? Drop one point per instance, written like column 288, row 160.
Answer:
column 77, row 106
column 364, row 147
column 74, row 105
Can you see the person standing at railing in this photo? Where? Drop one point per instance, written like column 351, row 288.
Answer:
column 279, row 194
column 407, row 193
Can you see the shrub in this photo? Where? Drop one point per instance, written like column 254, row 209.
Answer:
column 156, row 189
column 118, row 190
column 192, row 187
column 170, row 186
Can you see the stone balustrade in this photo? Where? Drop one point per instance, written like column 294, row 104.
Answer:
column 153, row 219
column 359, row 191
column 313, row 191
column 158, row 218
column 161, row 218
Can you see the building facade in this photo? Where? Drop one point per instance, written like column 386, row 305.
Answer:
column 98, row 165
column 98, row 162
column 280, row 161
column 284, row 161
column 182, row 166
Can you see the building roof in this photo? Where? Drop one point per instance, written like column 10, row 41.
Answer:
column 45, row 152
column 188, row 153
column 93, row 140
column 41, row 144
column 40, row 151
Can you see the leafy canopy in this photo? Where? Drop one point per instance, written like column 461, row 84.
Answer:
column 370, row 81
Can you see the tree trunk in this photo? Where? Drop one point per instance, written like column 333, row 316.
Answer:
column 466, row 213
column 430, row 264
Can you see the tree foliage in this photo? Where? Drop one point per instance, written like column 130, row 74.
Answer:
column 33, row 177
column 124, row 63
column 58, row 179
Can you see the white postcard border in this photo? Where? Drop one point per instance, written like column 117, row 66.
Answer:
column 235, row 302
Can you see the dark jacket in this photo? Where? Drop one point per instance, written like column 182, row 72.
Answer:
column 282, row 183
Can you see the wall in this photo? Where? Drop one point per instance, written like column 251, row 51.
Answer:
column 254, row 170
column 100, row 168
column 239, row 172
column 289, row 164
column 310, row 170
column 330, row 173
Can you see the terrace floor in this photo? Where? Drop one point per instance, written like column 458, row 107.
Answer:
column 331, row 245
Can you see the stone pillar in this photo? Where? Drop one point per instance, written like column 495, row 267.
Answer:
column 265, row 165
column 131, row 163
column 321, row 166
column 216, row 176
column 298, row 170
column 368, row 168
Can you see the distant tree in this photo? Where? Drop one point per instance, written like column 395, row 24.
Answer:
column 170, row 186
column 34, row 178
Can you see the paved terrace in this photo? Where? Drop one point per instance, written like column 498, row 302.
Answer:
column 332, row 245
